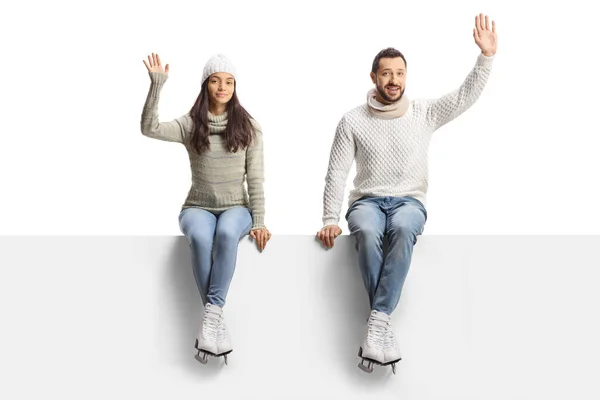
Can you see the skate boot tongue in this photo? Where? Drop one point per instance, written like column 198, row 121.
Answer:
column 213, row 309
column 380, row 316
column 211, row 321
column 377, row 325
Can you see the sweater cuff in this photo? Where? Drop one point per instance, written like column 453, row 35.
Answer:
column 330, row 221
column 157, row 80
column 485, row 61
column 158, row 77
column 258, row 222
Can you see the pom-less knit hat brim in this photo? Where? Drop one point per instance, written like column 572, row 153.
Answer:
column 218, row 63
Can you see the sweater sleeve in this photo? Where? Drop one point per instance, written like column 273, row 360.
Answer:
column 446, row 108
column 172, row 131
column 255, row 177
column 341, row 157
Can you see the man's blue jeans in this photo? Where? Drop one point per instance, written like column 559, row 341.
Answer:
column 402, row 219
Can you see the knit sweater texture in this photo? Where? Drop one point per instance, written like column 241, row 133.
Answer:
column 220, row 179
column 391, row 154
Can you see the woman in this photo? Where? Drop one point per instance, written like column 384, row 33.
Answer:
column 225, row 149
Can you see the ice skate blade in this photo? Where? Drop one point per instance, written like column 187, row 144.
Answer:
column 201, row 357
column 392, row 364
column 368, row 369
column 224, row 355
column 372, row 361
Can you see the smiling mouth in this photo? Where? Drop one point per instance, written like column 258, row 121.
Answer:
column 393, row 88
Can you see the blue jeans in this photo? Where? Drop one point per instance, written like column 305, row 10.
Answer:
column 402, row 219
column 225, row 229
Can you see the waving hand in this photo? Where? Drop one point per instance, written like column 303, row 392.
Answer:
column 486, row 39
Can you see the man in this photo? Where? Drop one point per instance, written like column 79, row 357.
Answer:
column 389, row 139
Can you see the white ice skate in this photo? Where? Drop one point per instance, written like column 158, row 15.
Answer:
column 371, row 351
column 391, row 350
column 206, row 342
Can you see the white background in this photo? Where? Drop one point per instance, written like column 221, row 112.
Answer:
column 522, row 160
column 116, row 317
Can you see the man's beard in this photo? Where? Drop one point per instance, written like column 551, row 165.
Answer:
column 383, row 94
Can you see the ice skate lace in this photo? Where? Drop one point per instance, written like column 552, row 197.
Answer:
column 211, row 324
column 376, row 330
column 390, row 340
column 222, row 333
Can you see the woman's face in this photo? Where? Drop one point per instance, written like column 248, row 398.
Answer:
column 221, row 86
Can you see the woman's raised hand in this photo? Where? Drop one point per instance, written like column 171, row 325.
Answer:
column 154, row 64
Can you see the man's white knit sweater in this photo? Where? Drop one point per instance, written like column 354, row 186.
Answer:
column 391, row 153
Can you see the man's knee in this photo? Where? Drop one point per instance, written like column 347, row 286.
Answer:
column 367, row 235
column 407, row 228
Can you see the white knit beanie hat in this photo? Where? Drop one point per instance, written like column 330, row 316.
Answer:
column 218, row 63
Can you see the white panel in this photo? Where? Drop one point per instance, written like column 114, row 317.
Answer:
column 494, row 317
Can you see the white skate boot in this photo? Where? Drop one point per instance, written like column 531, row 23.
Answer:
column 206, row 342
column 371, row 350
column 224, row 346
column 391, row 350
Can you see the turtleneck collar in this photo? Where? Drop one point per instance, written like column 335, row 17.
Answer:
column 387, row 111
column 217, row 123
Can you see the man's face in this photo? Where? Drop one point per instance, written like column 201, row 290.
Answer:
column 390, row 79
